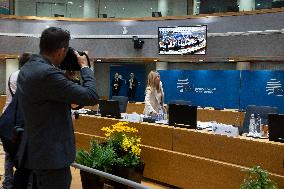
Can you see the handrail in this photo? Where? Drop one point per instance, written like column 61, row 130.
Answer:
column 110, row 176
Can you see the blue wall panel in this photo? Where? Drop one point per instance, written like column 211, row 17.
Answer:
column 219, row 89
column 124, row 71
column 262, row 88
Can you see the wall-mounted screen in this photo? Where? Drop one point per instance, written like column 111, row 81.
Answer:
column 182, row 40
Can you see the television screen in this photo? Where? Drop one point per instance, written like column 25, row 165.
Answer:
column 182, row 40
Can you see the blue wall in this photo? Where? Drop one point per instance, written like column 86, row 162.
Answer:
column 124, row 71
column 225, row 89
column 219, row 89
column 262, row 88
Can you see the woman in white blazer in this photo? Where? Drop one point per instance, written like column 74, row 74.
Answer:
column 154, row 94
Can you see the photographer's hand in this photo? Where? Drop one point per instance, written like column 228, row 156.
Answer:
column 82, row 60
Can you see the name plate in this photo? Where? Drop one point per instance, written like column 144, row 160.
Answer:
column 228, row 130
column 135, row 118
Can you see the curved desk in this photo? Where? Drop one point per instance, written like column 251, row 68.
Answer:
column 193, row 159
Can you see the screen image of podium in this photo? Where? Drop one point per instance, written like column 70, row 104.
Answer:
column 183, row 116
column 109, row 108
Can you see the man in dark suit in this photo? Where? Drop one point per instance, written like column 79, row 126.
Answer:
column 116, row 84
column 132, row 84
column 45, row 95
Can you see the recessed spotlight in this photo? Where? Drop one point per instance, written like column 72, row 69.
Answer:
column 105, row 7
column 231, row 60
column 80, row 6
column 55, row 4
column 155, row 60
column 201, row 60
column 151, row 8
column 123, row 8
column 258, row 4
column 99, row 60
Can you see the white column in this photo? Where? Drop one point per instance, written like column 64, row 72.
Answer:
column 12, row 65
column 163, row 7
column 90, row 9
column 17, row 7
column 247, row 5
column 196, row 7
column 161, row 65
column 243, row 66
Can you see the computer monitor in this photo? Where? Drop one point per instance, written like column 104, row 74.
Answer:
column 109, row 108
column 184, row 116
column 276, row 127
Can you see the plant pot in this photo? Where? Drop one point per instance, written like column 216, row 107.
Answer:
column 131, row 173
column 91, row 181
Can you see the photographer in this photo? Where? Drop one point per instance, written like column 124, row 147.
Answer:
column 45, row 95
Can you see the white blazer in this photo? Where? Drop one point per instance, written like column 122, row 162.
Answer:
column 153, row 101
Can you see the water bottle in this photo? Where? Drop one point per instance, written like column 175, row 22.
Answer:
column 251, row 125
column 161, row 115
column 257, row 132
column 98, row 109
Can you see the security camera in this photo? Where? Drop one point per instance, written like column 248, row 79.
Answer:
column 138, row 43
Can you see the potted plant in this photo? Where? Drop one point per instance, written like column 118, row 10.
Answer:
column 101, row 157
column 126, row 144
column 257, row 178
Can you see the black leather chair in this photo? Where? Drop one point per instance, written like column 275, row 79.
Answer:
column 122, row 100
column 181, row 102
column 276, row 127
column 263, row 111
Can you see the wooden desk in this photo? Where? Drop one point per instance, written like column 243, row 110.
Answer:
column 193, row 159
column 221, row 116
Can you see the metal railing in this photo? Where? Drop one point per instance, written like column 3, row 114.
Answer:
column 110, row 176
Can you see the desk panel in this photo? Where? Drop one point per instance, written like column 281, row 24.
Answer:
column 159, row 136
column 241, row 151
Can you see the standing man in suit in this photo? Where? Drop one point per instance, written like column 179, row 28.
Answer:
column 116, row 84
column 132, row 84
column 45, row 95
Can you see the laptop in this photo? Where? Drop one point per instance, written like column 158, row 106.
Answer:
column 184, row 116
column 109, row 108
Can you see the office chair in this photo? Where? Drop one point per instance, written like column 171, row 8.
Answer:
column 122, row 100
column 181, row 102
column 275, row 127
column 263, row 111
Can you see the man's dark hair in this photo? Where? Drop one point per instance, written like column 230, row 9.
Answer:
column 52, row 39
column 24, row 58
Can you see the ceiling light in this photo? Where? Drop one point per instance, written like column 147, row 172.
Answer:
column 105, row 7
column 231, row 60
column 201, row 60
column 70, row 2
column 155, row 60
column 99, row 60
column 258, row 4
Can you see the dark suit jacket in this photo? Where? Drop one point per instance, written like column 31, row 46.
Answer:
column 118, row 82
column 45, row 95
column 134, row 84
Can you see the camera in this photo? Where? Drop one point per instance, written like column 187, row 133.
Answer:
column 70, row 61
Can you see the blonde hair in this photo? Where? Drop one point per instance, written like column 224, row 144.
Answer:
column 151, row 81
